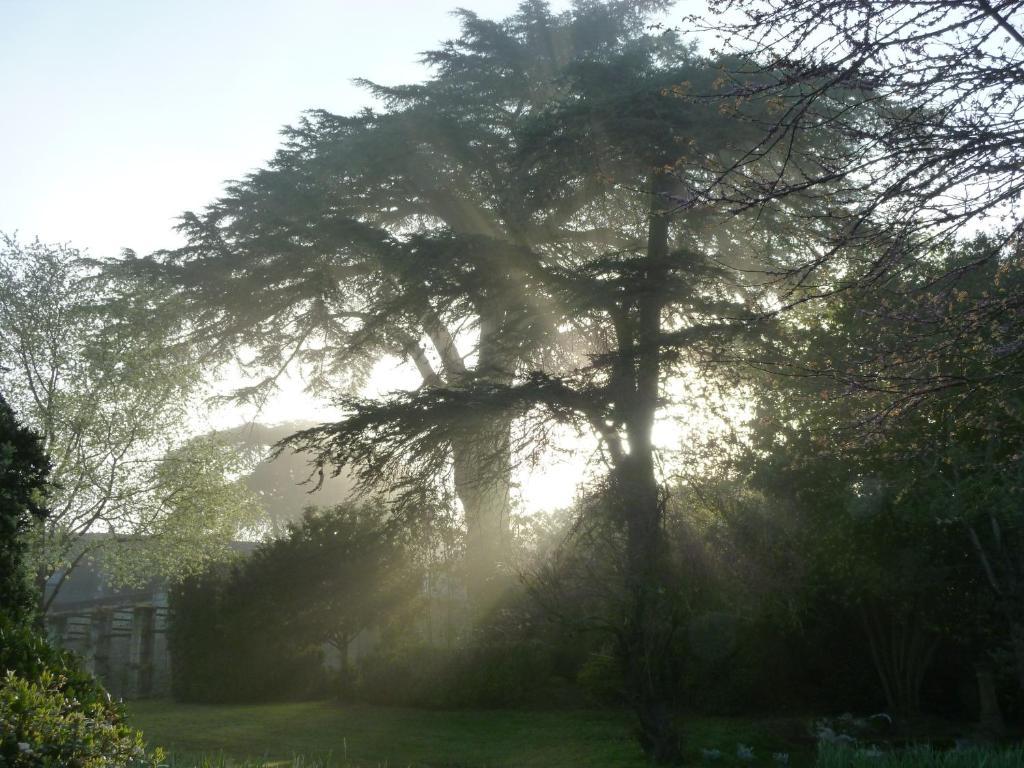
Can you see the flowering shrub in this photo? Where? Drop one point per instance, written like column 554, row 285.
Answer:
column 42, row 725
column 744, row 753
column 25, row 652
column 847, row 730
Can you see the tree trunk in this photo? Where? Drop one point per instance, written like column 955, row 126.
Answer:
column 650, row 623
column 1017, row 643
column 902, row 653
column 990, row 715
column 649, row 626
column 483, row 475
column 482, row 469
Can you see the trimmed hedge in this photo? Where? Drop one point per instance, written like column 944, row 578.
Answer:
column 223, row 650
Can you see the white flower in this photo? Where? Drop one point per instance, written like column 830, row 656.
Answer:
column 711, row 754
column 782, row 758
column 743, row 752
column 24, row 746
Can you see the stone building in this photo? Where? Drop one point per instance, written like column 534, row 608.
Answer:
column 121, row 634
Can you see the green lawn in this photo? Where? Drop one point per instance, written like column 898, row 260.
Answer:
column 366, row 736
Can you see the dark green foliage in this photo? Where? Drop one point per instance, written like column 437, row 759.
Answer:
column 764, row 665
column 338, row 573
column 23, row 471
column 600, row 677
column 223, row 649
column 879, row 487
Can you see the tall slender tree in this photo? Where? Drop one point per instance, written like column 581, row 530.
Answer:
column 656, row 282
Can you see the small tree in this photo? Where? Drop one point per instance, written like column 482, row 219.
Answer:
column 109, row 401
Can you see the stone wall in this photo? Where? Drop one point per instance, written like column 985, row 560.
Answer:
column 123, row 644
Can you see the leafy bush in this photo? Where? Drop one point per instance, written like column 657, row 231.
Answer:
column 42, row 725
column 54, row 713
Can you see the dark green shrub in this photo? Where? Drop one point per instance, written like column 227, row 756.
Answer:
column 254, row 630
column 513, row 674
column 764, row 665
column 53, row 712
column 43, row 725
column 223, row 650
column 23, row 471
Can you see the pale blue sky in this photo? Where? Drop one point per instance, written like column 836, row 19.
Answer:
column 118, row 115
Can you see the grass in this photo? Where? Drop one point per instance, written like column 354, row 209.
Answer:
column 326, row 734
column 923, row 757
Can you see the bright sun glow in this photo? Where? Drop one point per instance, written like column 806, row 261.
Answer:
column 554, row 480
